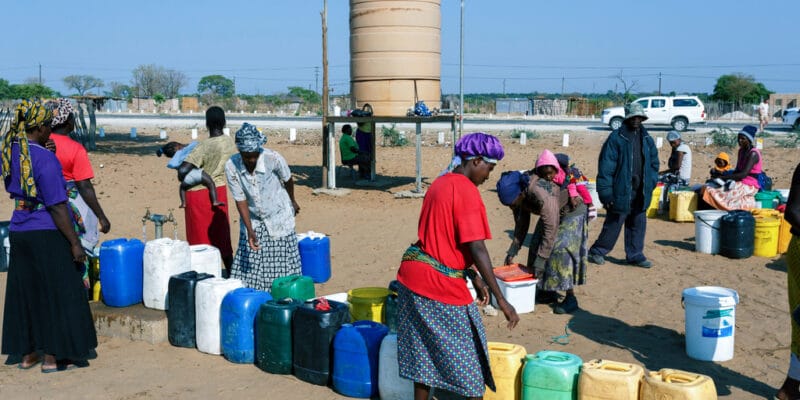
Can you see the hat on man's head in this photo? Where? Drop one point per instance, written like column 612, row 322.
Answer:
column 635, row 110
column 673, row 135
column 749, row 131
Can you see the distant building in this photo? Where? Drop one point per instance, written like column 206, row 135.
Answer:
column 519, row 106
column 781, row 101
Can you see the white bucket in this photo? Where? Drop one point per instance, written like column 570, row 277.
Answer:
column 390, row 385
column 710, row 322
column 521, row 294
column 706, row 230
column 162, row 258
column 208, row 295
column 206, row 258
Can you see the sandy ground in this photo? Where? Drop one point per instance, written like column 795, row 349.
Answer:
column 627, row 313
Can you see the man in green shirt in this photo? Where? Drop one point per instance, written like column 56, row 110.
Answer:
column 351, row 154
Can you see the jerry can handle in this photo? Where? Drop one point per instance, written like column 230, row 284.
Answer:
column 679, row 378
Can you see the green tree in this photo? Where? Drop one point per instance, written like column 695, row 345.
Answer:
column 30, row 91
column 739, row 89
column 308, row 96
column 217, row 85
column 82, row 83
column 5, row 89
column 120, row 90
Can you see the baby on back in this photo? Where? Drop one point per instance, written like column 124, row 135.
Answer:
column 177, row 153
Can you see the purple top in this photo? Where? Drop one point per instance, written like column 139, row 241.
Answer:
column 50, row 188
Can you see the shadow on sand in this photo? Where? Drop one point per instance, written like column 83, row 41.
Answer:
column 656, row 347
column 311, row 176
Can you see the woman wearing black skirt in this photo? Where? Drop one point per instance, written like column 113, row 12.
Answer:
column 47, row 318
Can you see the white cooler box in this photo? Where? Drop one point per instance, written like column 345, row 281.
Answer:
column 521, row 294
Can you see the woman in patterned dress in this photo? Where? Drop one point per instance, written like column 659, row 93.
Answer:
column 262, row 186
column 441, row 339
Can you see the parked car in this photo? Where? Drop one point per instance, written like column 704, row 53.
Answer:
column 791, row 116
column 678, row 111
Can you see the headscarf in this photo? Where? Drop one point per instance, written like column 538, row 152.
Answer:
column 62, row 108
column 510, row 185
column 727, row 158
column 673, row 135
column 249, row 139
column 482, row 145
column 28, row 114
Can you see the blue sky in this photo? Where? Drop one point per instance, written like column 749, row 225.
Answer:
column 519, row 45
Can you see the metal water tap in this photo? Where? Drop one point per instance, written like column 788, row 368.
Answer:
column 158, row 221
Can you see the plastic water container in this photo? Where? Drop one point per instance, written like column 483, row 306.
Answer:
column 122, row 272
column 676, row 384
column 520, row 293
column 4, row 261
column 736, row 234
column 765, row 213
column 784, row 195
column 390, row 312
column 311, row 342
column 367, row 303
column 315, row 255
column 274, row 335
column 710, row 322
column 706, row 230
column 181, row 320
column 655, row 200
column 682, row 205
column 551, row 375
column 506, row 361
column 591, row 186
column 609, row 380
column 206, row 259
column 784, row 235
column 391, row 385
column 765, row 242
column 767, row 199
column 356, row 349
column 163, row 258
column 208, row 300
column 294, row 286
column 237, row 317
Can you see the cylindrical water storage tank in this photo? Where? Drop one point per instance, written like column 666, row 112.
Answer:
column 122, row 272
column 208, row 301
column 162, row 258
column 395, row 54
column 206, row 259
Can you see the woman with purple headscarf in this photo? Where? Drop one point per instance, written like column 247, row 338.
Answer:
column 262, row 186
column 441, row 339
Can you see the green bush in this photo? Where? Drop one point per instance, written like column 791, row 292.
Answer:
column 517, row 133
column 392, row 136
column 792, row 141
column 724, row 137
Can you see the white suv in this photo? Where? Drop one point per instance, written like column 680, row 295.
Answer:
column 678, row 111
column 791, row 116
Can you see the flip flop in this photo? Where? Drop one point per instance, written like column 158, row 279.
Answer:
column 33, row 364
column 66, row 365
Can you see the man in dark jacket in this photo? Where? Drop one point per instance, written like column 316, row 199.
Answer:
column 626, row 176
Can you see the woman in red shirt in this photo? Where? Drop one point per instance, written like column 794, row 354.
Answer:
column 441, row 339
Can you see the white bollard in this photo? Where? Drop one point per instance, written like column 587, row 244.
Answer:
column 565, row 140
column 191, row 111
column 241, row 112
column 760, row 143
column 162, row 134
column 226, row 131
column 133, row 133
column 141, row 111
column 292, row 134
column 441, row 138
column 337, row 111
column 102, row 133
column 659, row 142
column 194, row 133
column 709, row 141
column 523, row 138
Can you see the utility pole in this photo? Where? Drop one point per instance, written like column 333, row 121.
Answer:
column 504, row 87
column 316, row 79
column 461, row 77
column 562, row 86
column 659, row 83
column 40, row 73
column 325, row 129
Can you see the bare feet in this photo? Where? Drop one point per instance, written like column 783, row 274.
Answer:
column 182, row 205
column 30, row 360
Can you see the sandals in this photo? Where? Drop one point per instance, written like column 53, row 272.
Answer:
column 38, row 359
column 65, row 365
